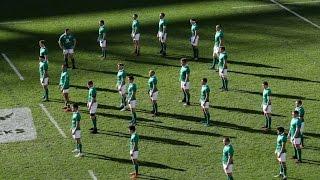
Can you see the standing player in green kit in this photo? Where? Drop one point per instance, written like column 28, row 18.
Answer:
column 135, row 34
column 134, row 150
column 295, row 136
column 121, row 85
column 218, row 42
column 223, row 68
column 92, row 106
column 153, row 91
column 44, row 77
column 281, row 152
column 64, row 86
column 194, row 40
column 132, row 89
column 43, row 50
column 102, row 39
column 162, row 34
column 204, row 100
column 76, row 130
column 266, row 105
column 184, row 81
column 300, row 109
column 227, row 158
column 67, row 43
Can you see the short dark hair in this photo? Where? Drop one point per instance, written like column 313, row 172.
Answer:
column 132, row 128
column 296, row 112
column 135, row 15
column 219, row 25
column 102, row 21
column 42, row 57
column 42, row 42
column 223, row 48
column 120, row 64
column 67, row 29
column 131, row 77
column 299, row 101
column 280, row 129
column 162, row 14
column 192, row 19
column 265, row 83
column 90, row 82
column 227, row 139
column 183, row 59
column 204, row 79
column 75, row 105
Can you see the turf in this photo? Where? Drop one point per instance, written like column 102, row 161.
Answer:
column 264, row 43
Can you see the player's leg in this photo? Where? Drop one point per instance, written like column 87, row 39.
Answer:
column 284, row 170
column 132, row 106
column 134, row 159
column 138, row 47
column 164, row 44
column 297, row 144
column 268, row 116
column 65, row 55
column 183, row 92
column 225, row 79
column 294, row 149
column 302, row 137
column 223, row 87
column 206, row 108
column 71, row 56
column 204, row 113
column 46, row 89
column 187, row 96
column 93, row 117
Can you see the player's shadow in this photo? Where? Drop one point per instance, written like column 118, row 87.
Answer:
column 312, row 162
column 149, row 177
column 242, row 63
column 151, row 139
column 100, row 106
column 97, row 88
column 186, row 131
column 126, row 118
column 276, row 77
column 128, row 161
column 111, row 72
column 242, row 110
column 286, row 96
column 312, row 148
column 315, row 135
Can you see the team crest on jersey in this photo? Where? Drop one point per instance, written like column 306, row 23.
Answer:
column 16, row 125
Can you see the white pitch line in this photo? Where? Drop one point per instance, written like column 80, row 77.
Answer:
column 296, row 14
column 92, row 175
column 52, row 120
column 14, row 22
column 265, row 5
column 12, row 66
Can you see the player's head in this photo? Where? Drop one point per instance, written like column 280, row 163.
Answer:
column 42, row 43
column 120, row 66
column 183, row 61
column 226, row 140
column 162, row 15
column 41, row 58
column 135, row 16
column 64, row 67
column 218, row 27
column 132, row 129
column 130, row 78
column 204, row 81
column 151, row 73
column 193, row 21
column 67, row 31
column 222, row 49
column 90, row 84
column 75, row 107
column 101, row 22
column 280, row 130
column 298, row 102
column 265, row 84
column 295, row 114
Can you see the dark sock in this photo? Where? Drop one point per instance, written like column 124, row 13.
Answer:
column 208, row 117
column 102, row 52
column 226, row 83
column 284, row 168
column 94, row 122
column 188, row 97
column 205, row 116
column 73, row 62
column 184, row 96
column 299, row 154
column 136, row 168
column 66, row 61
column 80, row 148
column 295, row 152
column 77, row 146
column 281, row 169
column 197, row 53
column 266, row 124
column 194, row 52
column 223, row 85
column 161, row 44
column 269, row 122
column 164, row 47
column 155, row 108
column 47, row 94
column 215, row 61
column 105, row 53
column 230, row 178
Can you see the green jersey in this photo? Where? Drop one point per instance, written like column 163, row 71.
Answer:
column 67, row 41
column 134, row 140
column 43, row 51
column 162, row 25
column 223, row 56
column 75, row 120
column 218, row 38
column 294, row 124
column 135, row 26
column 227, row 151
column 282, row 139
column 266, row 96
column 300, row 109
column 64, row 80
column 43, row 67
column 132, row 89
column 92, row 94
column 205, row 91
column 194, row 28
column 152, row 83
column 121, row 77
column 184, row 71
column 102, row 32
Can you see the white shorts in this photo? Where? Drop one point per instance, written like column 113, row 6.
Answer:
column 230, row 168
column 103, row 43
column 187, row 86
column 282, row 157
column 162, row 37
column 194, row 40
column 215, row 50
column 204, row 104
column 77, row 134
column 132, row 104
column 45, row 81
column 65, row 91
column 302, row 127
column 94, row 108
column 68, row 51
column 154, row 96
column 296, row 141
column 268, row 109
column 122, row 89
column 223, row 73
column 135, row 37
column 135, row 154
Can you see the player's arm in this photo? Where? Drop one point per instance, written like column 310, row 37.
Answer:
column 133, row 148
column 269, row 100
column 229, row 160
column 297, row 132
column 283, row 146
column 195, row 35
column 207, row 96
column 222, row 41
column 46, row 57
column 60, row 43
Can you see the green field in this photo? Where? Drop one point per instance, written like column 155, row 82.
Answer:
column 265, row 43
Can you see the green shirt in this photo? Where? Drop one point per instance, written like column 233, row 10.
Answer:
column 162, row 25
column 294, row 124
column 205, row 91
column 67, row 41
column 132, row 89
column 266, row 96
column 222, row 60
column 300, row 109
column 92, row 94
column 121, row 77
column 218, row 38
column 75, row 120
column 194, row 28
column 64, row 80
column 282, row 139
column 227, row 151
column 43, row 51
column 135, row 26
column 134, row 140
column 43, row 67
column 102, row 32
column 152, row 83
column 184, row 71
